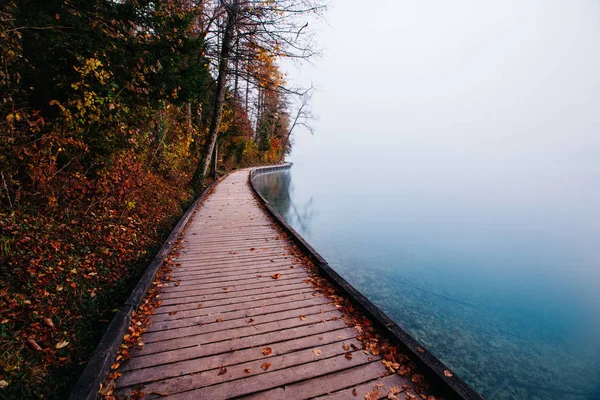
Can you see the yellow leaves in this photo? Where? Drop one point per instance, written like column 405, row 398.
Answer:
column 3, row 384
column 317, row 352
column 266, row 366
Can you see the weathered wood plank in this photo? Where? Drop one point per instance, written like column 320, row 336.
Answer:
column 379, row 389
column 285, row 354
column 326, row 384
column 208, row 316
column 140, row 361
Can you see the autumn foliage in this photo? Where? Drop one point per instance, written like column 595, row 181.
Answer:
column 103, row 116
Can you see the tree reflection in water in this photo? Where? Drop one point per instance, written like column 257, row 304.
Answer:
column 277, row 188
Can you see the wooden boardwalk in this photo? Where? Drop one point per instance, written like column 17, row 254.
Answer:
column 240, row 318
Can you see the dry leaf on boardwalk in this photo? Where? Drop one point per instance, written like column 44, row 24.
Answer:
column 267, row 351
column 275, row 276
column 265, row 366
column 248, row 371
column 222, row 370
column 317, row 352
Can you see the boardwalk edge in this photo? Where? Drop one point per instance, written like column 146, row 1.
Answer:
column 453, row 387
column 98, row 367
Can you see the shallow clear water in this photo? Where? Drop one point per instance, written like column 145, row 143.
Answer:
column 498, row 277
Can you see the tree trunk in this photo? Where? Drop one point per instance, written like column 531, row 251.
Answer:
column 217, row 112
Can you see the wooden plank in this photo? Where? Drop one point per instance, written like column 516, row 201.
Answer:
column 251, row 306
column 254, row 299
column 221, row 335
column 284, row 355
column 248, row 311
column 260, row 382
column 259, row 283
column 243, row 321
column 140, row 361
column 379, row 389
column 326, row 384
column 244, row 293
column 191, row 279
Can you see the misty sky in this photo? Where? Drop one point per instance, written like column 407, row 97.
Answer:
column 483, row 109
column 456, row 80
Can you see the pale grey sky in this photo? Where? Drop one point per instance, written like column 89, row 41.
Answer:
column 483, row 106
column 454, row 79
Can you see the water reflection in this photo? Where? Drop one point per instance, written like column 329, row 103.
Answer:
column 278, row 188
column 515, row 326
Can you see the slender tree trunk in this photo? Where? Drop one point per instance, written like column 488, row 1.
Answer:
column 216, row 163
column 217, row 112
column 188, row 117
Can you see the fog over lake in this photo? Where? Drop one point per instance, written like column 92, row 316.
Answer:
column 454, row 178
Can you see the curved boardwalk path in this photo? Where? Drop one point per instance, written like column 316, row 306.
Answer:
column 209, row 338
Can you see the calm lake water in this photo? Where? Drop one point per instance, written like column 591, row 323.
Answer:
column 497, row 275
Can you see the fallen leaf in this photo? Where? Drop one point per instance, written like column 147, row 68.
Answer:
column 251, row 320
column 248, row 371
column 275, row 276
column 395, row 390
column 448, row 373
column 252, row 249
column 354, row 392
column 267, row 351
column 49, row 322
column 265, row 366
column 34, row 344
column 200, row 305
column 417, row 378
column 303, row 317
column 172, row 312
column 3, row 384
column 222, row 371
column 317, row 352
column 420, row 350
column 219, row 319
column 108, row 389
column 177, row 283
column 62, row 344
column 348, row 356
column 346, row 347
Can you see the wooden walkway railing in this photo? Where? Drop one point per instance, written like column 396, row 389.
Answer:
column 240, row 318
